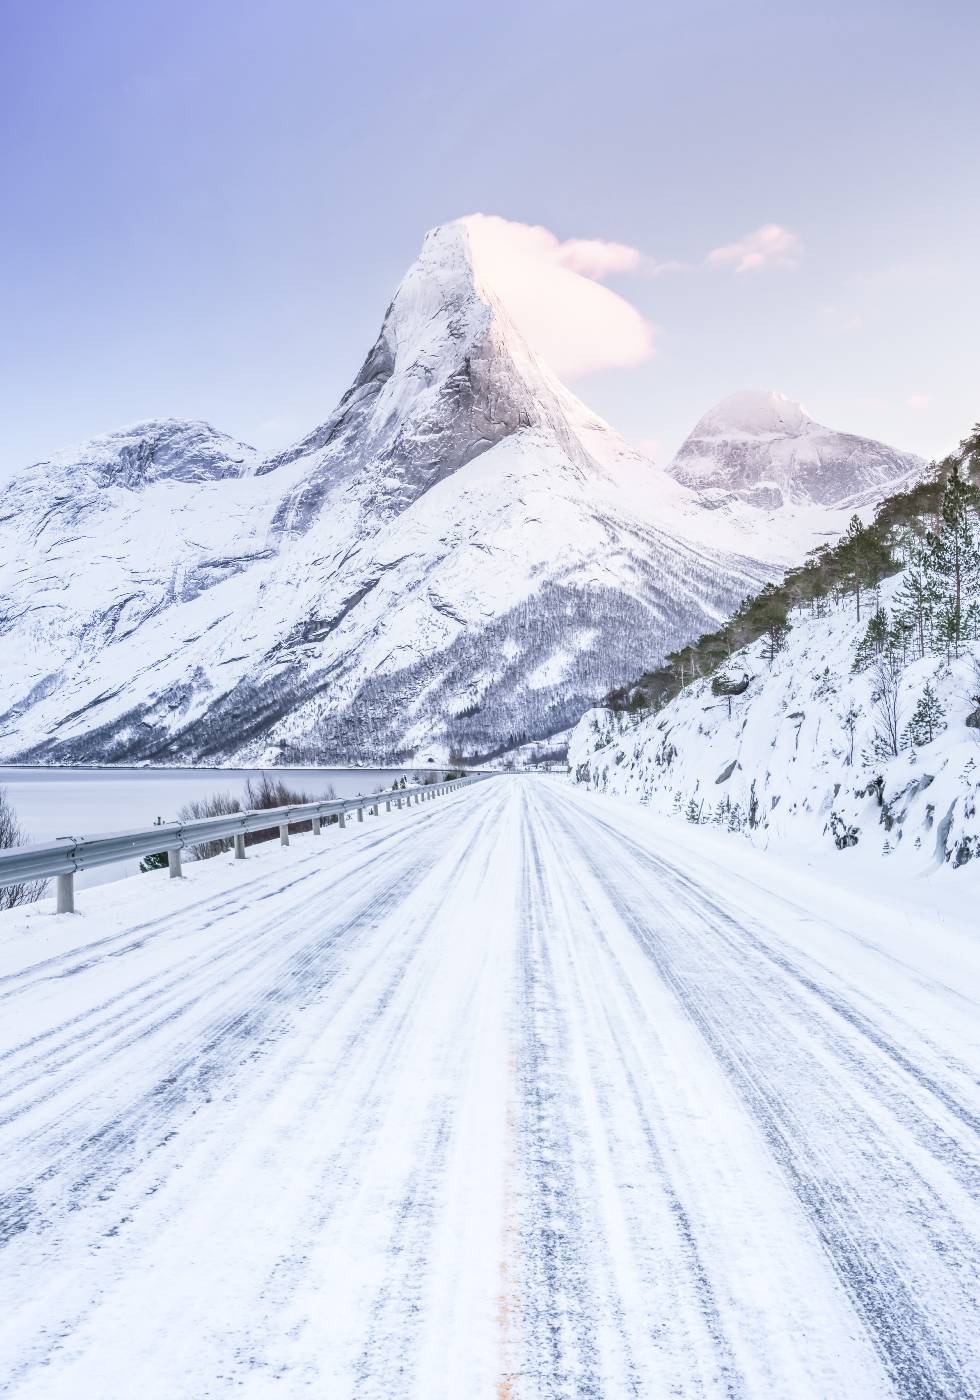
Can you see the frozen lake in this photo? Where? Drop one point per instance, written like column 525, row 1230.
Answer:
column 52, row 802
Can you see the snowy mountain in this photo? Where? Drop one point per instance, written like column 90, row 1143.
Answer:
column 768, row 452
column 461, row 557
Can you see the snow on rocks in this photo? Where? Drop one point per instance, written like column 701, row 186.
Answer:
column 597, row 728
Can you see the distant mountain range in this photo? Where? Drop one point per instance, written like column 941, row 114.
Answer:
column 460, row 558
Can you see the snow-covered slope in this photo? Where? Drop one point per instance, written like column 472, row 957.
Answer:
column 461, row 557
column 793, row 756
column 767, row 451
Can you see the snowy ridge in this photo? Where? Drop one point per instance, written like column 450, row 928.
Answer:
column 792, row 759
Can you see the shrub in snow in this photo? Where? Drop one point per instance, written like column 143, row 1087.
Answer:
column 12, row 835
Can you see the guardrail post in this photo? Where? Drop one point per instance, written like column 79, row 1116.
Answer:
column 398, row 803
column 360, row 814
column 376, row 809
column 316, row 826
column 284, row 834
column 173, row 861
column 388, row 805
column 65, row 893
column 343, row 820
column 240, row 846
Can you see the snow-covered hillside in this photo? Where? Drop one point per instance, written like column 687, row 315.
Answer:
column 800, row 753
column 461, row 557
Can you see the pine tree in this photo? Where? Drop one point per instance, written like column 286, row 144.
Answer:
column 875, row 642
column 971, row 622
column 915, row 599
column 955, row 554
column 770, row 610
column 947, row 628
column 928, row 718
column 865, row 556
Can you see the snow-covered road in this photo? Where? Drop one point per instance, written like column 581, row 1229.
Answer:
column 503, row 1096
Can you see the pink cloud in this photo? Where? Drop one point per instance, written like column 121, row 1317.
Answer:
column 918, row 401
column 769, row 246
column 592, row 257
column 551, row 291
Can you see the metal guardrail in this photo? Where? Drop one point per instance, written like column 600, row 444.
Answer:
column 61, row 859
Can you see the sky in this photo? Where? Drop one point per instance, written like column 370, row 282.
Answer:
column 208, row 206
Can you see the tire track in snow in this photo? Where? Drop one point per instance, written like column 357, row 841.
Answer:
column 745, row 930
column 923, row 1362
column 558, row 1343
column 745, row 937
column 228, row 1041
column 684, row 1252
column 399, row 951
column 392, row 1317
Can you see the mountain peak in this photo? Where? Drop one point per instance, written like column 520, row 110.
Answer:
column 765, row 449
column 754, row 412
column 448, row 378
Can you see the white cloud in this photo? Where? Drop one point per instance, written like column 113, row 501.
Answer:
column 596, row 259
column 769, row 246
column 918, row 400
column 592, row 257
column 552, row 292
